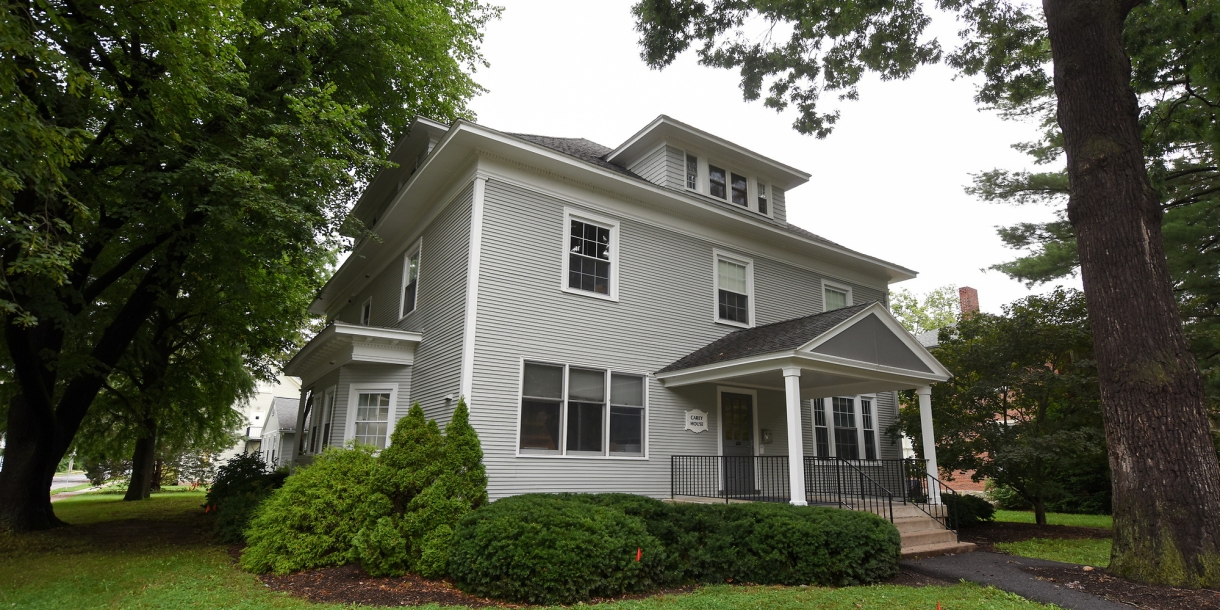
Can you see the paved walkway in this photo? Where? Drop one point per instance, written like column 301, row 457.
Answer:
column 62, row 480
column 1004, row 572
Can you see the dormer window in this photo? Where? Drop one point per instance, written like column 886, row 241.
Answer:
column 410, row 280
column 717, row 181
column 740, row 196
column 366, row 312
column 762, row 197
column 692, row 172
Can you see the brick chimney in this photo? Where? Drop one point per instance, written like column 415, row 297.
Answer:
column 969, row 299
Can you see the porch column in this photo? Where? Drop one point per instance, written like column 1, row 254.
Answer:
column 796, row 438
column 929, row 440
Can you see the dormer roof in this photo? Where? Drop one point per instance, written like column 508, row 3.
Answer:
column 665, row 129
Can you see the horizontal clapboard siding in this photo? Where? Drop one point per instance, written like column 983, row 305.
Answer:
column 651, row 167
column 665, row 310
column 779, row 208
column 675, row 167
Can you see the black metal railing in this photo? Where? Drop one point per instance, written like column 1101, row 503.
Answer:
column 758, row 478
column 843, row 483
column 932, row 496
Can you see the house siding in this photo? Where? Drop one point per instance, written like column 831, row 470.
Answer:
column 373, row 375
column 665, row 310
column 675, row 167
column 652, row 167
column 440, row 310
column 779, row 208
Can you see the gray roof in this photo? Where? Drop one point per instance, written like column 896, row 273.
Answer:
column 595, row 154
column 766, row 339
column 286, row 412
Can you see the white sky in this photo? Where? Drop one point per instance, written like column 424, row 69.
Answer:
column 887, row 182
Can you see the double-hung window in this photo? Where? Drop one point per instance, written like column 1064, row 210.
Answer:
column 835, row 297
column 870, row 433
column 821, row 432
column 692, row 172
column 734, row 290
column 410, row 280
column 372, row 418
column 581, row 411
column 847, row 446
column 591, row 258
column 717, row 180
column 762, row 198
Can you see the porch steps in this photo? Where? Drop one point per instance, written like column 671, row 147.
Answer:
column 923, row 536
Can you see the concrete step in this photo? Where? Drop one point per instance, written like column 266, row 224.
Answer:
column 935, row 550
column 910, row 525
column 928, row 537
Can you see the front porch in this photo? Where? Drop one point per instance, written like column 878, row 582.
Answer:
column 831, row 370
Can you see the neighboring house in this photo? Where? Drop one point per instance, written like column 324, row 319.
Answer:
column 607, row 313
column 279, row 431
column 254, row 412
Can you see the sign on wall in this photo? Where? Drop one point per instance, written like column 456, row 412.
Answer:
column 696, row 421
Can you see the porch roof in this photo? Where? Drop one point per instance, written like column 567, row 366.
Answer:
column 854, row 349
column 342, row 343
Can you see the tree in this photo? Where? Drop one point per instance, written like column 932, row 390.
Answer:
column 937, row 309
column 1023, row 404
column 146, row 141
column 1165, row 471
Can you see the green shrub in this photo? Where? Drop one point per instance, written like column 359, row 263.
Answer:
column 1005, row 497
column 967, row 510
column 380, row 548
column 413, row 459
column 310, row 521
column 543, row 549
column 241, row 485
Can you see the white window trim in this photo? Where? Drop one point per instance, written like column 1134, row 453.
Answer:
column 329, row 397
column 563, row 415
column 366, row 306
column 417, row 248
column 570, row 214
column 353, row 393
column 837, row 286
column 828, row 414
column 718, row 254
column 700, row 171
column 704, row 183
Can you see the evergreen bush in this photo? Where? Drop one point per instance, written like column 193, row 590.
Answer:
column 545, row 549
column 241, row 484
column 380, row 548
column 967, row 510
column 311, row 521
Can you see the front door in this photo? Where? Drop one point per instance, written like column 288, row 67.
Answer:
column 737, row 411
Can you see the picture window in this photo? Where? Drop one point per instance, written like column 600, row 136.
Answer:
column 579, row 411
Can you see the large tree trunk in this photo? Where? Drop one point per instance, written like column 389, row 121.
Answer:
column 1166, row 478
column 29, row 465
column 142, row 460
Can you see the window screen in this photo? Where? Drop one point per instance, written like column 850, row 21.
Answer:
column 626, row 414
column 733, row 292
column 589, row 257
column 542, row 395
column 586, row 404
column 835, row 298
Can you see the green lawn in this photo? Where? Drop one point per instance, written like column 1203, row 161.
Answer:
column 149, row 555
column 1086, row 551
column 1021, row 516
column 72, row 488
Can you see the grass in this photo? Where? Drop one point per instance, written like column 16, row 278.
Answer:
column 72, row 488
column 1021, row 516
column 128, row 555
column 1085, row 551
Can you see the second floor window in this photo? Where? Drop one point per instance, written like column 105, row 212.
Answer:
column 733, row 290
column 836, row 297
column 692, row 172
column 589, row 262
column 410, row 281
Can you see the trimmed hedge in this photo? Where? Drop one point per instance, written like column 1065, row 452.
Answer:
column 495, row 546
column 545, row 549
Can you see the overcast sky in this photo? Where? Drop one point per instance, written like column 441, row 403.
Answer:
column 887, row 182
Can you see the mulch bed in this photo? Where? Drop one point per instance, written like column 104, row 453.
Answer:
column 349, row 584
column 1097, row 582
column 987, row 535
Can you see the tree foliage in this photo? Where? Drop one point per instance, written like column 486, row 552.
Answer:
column 936, row 309
column 1023, row 405
column 154, row 150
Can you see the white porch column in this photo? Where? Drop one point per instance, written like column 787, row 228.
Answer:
column 929, row 440
column 796, row 444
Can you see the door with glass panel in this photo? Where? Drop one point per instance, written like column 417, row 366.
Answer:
column 737, row 424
